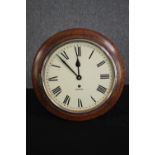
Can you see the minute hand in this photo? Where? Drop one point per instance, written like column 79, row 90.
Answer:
column 67, row 66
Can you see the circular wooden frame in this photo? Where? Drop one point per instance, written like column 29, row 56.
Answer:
column 54, row 41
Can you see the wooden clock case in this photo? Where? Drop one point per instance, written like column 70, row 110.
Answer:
column 78, row 33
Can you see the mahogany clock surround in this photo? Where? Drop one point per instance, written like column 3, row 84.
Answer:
column 64, row 36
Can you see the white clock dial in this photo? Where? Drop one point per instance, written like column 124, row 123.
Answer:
column 78, row 76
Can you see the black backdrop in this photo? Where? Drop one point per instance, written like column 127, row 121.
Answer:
column 49, row 135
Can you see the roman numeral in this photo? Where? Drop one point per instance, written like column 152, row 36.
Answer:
column 55, row 78
column 91, row 54
column 65, row 55
column 104, row 76
column 66, row 100
column 57, row 91
column 101, row 63
column 101, row 89
column 93, row 99
column 78, row 50
column 56, row 66
column 79, row 103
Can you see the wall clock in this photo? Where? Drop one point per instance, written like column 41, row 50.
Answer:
column 78, row 74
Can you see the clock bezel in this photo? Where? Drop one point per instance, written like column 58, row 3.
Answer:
column 68, row 35
column 70, row 41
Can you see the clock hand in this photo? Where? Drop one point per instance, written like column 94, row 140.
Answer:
column 77, row 64
column 67, row 66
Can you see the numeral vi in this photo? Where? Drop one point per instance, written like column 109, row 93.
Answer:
column 79, row 103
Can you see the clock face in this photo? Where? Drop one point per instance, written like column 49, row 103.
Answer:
column 78, row 76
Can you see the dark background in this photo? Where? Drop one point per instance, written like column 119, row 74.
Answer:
column 49, row 135
column 47, row 17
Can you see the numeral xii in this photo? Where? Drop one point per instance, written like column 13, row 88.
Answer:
column 78, row 50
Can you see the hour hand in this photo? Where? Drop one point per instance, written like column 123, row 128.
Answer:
column 78, row 64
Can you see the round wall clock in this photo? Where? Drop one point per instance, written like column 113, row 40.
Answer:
column 78, row 74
